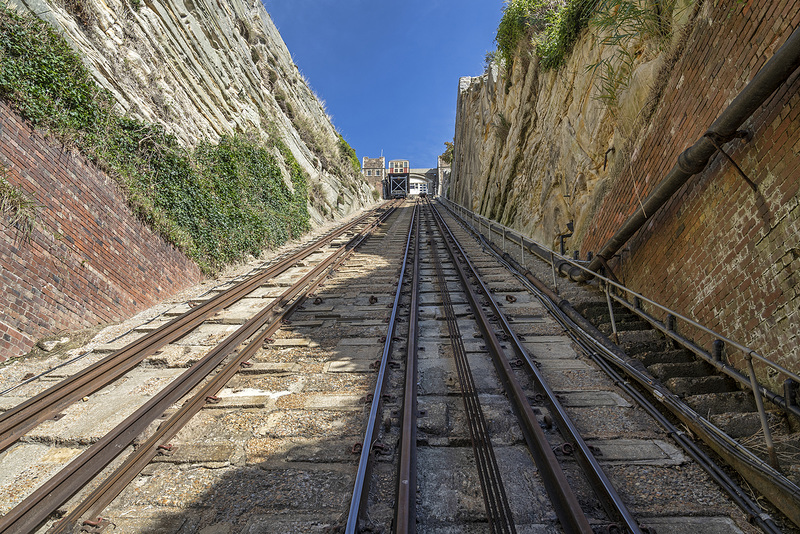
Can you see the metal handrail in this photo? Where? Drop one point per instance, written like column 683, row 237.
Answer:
column 751, row 381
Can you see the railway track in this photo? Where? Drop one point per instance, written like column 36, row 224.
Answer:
column 684, row 385
column 401, row 379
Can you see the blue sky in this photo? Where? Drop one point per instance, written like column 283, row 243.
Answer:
column 388, row 70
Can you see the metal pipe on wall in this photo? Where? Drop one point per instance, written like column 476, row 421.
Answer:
column 695, row 158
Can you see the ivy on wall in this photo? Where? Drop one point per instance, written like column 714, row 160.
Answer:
column 216, row 202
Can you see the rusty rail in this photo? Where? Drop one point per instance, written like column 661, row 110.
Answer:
column 102, row 496
column 19, row 420
column 405, row 509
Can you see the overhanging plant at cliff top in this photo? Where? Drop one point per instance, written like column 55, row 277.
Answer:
column 216, row 203
column 550, row 26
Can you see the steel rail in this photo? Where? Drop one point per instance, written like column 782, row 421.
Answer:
column 35, row 509
column 602, row 486
column 359, row 497
column 405, row 508
column 115, row 483
column 498, row 509
column 19, row 420
column 593, row 347
column 548, row 256
column 782, row 492
column 607, row 354
column 565, row 503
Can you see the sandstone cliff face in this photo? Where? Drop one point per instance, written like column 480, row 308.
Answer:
column 535, row 150
column 204, row 69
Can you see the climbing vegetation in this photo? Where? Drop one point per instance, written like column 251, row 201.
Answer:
column 216, row 202
column 564, row 26
column 635, row 30
column 348, row 153
column 522, row 19
column 449, row 152
column 550, row 27
column 17, row 209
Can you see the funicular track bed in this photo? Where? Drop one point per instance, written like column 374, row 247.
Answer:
column 662, row 488
column 277, row 449
column 710, row 405
column 273, row 443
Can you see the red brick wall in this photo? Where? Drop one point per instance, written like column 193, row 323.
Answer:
column 89, row 260
column 719, row 252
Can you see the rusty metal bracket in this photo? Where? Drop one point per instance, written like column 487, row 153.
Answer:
column 565, row 448
column 609, row 271
column 381, row 448
column 96, row 526
column 718, row 140
column 166, row 450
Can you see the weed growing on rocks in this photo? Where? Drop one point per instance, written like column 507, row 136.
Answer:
column 216, row 203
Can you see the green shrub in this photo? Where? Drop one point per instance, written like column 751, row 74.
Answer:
column 521, row 19
column 216, row 203
column 563, row 29
column 349, row 154
column 449, row 152
column 629, row 27
column 552, row 25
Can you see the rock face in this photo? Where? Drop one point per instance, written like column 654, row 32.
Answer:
column 534, row 149
column 537, row 149
column 204, row 69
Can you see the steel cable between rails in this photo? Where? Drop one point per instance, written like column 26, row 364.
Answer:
column 559, row 490
column 498, row 509
column 34, row 509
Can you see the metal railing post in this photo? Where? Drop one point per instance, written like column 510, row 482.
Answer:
column 611, row 313
column 553, row 265
column 773, row 458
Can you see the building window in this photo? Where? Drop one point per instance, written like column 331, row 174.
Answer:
column 369, row 173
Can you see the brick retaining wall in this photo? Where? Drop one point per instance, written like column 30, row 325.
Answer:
column 88, row 261
column 719, row 252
